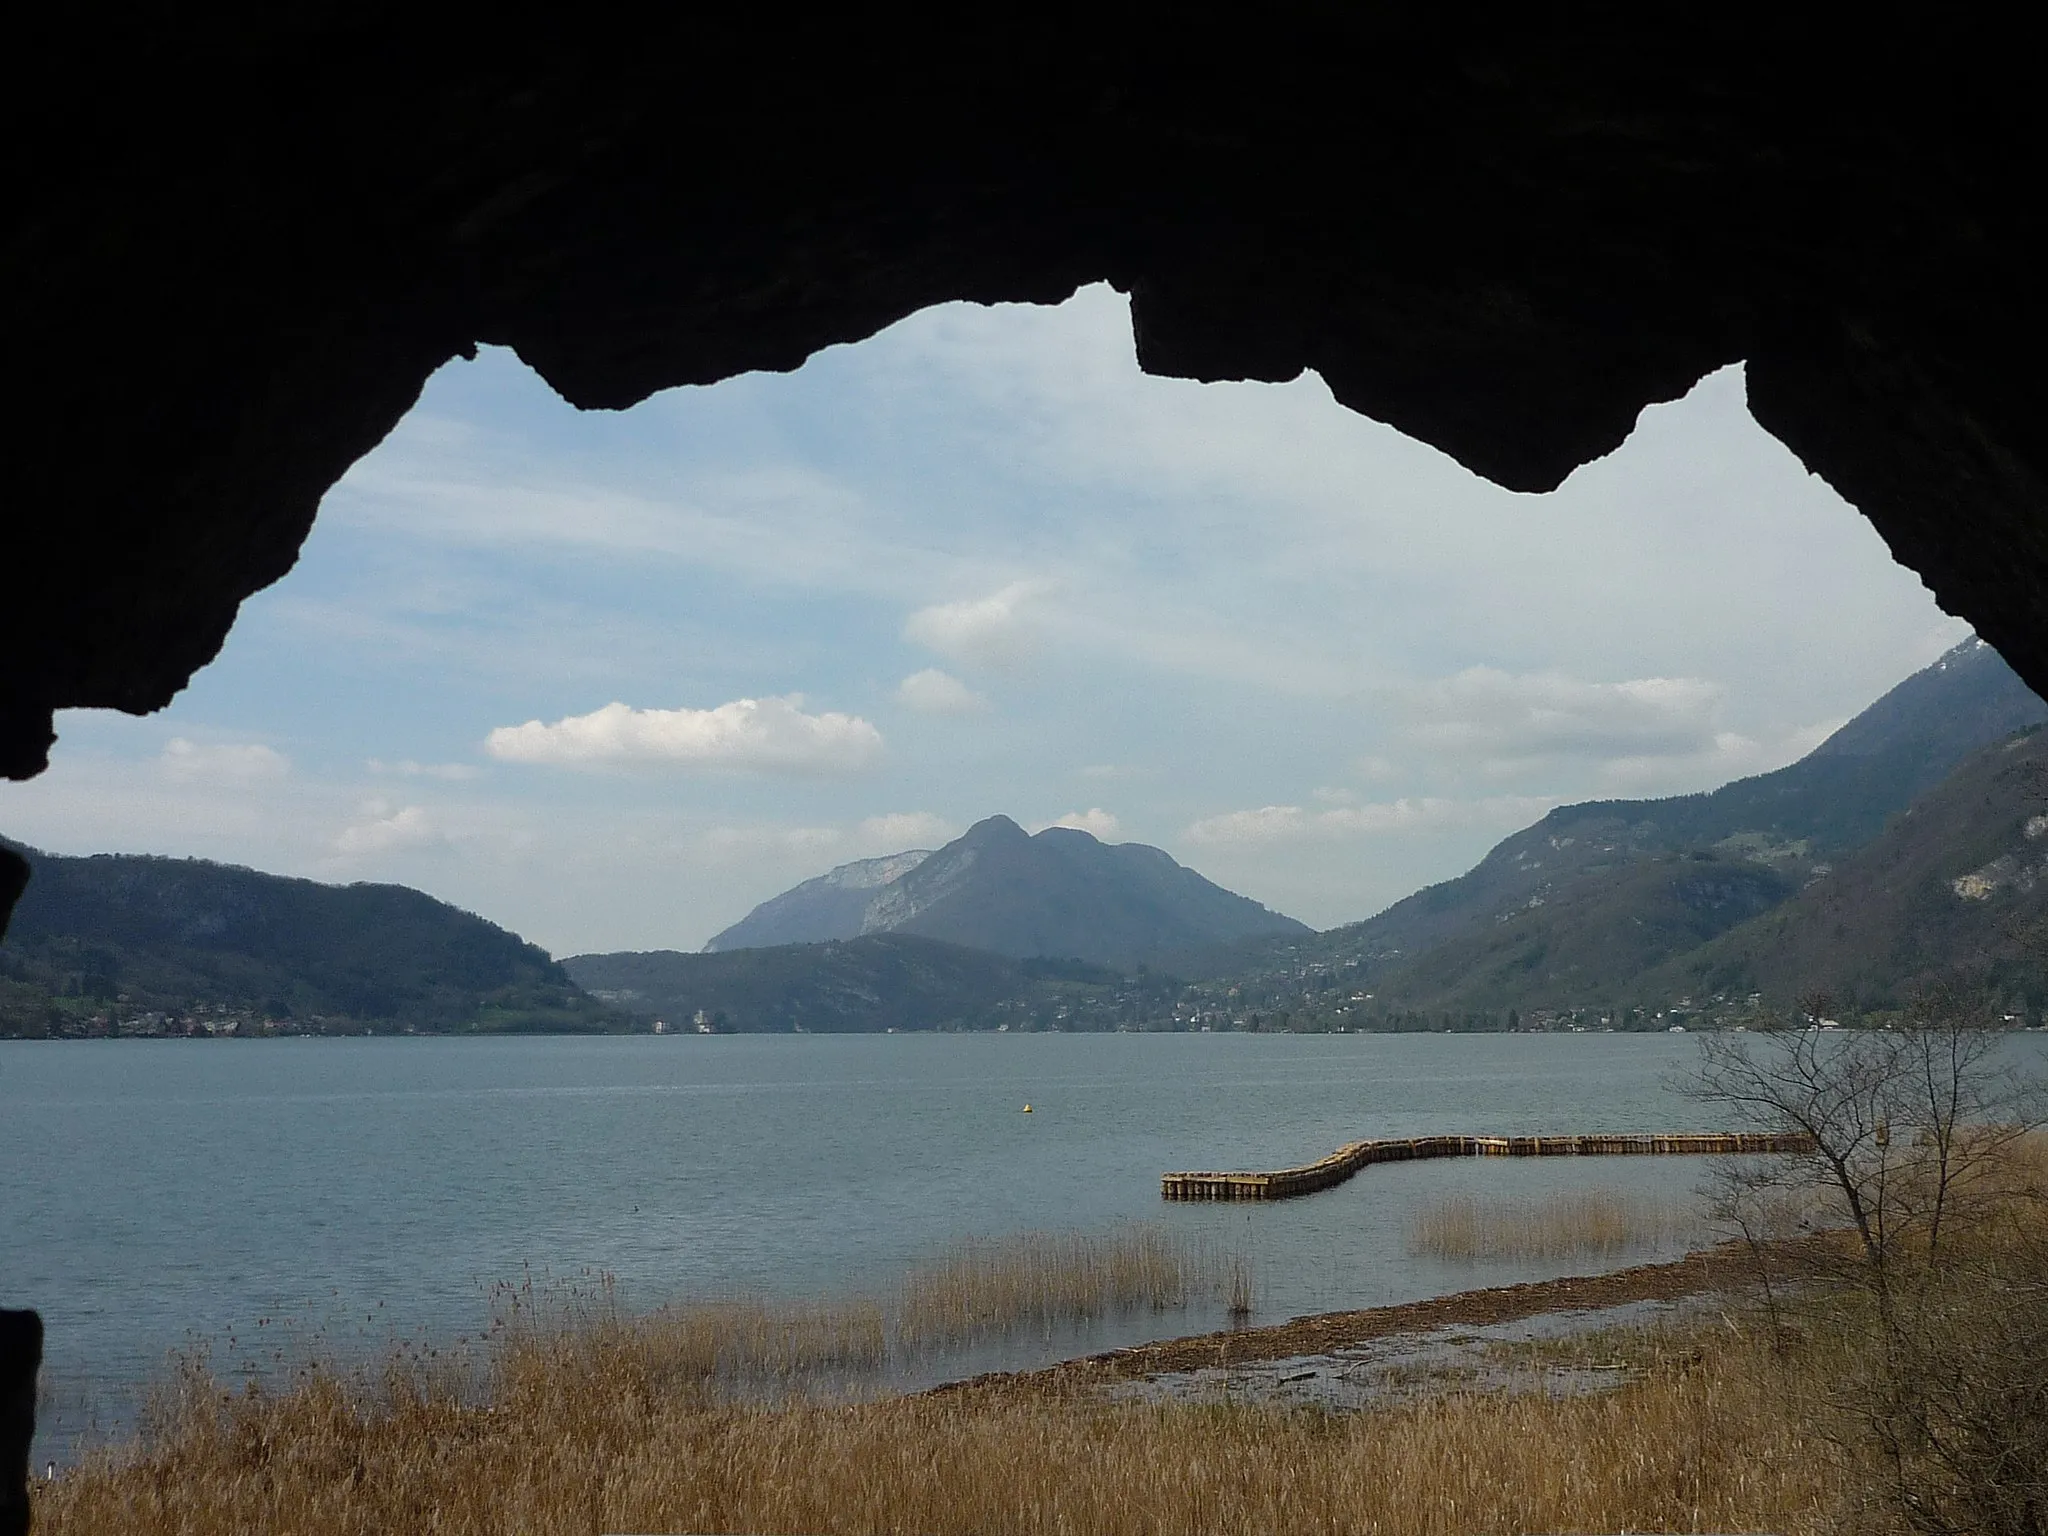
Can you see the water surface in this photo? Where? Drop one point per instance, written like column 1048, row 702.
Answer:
column 157, row 1192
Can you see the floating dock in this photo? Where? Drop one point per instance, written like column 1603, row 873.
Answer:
column 1286, row 1183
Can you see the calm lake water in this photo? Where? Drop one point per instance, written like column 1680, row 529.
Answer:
column 154, row 1194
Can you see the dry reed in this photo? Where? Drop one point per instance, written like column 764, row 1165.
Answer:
column 1600, row 1223
column 1043, row 1279
column 580, row 1434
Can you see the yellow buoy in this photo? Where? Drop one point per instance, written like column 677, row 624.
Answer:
column 1027, row 1109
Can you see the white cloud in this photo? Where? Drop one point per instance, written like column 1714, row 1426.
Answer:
column 1730, row 755
column 932, row 692
column 891, row 832
column 899, row 831
column 771, row 735
column 221, row 763
column 1095, row 821
column 454, row 772
column 1419, row 814
column 385, row 830
column 998, row 631
column 1504, row 721
column 726, row 842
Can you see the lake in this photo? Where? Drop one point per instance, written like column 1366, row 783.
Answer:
column 155, row 1194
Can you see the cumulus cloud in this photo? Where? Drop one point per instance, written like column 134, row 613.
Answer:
column 1502, row 720
column 221, row 762
column 408, row 769
column 1417, row 814
column 384, row 829
column 771, row 735
column 1095, row 820
column 899, row 831
column 932, row 692
column 995, row 631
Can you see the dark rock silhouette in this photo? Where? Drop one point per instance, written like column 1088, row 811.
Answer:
column 21, row 1356
column 1503, row 232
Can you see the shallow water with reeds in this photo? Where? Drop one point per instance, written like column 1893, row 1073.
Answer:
column 274, row 1198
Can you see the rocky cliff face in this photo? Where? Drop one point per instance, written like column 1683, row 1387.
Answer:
column 833, row 906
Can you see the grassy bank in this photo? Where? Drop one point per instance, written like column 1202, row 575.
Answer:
column 594, row 1430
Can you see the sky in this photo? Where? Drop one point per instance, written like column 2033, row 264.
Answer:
column 612, row 678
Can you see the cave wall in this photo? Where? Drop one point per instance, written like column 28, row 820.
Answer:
column 239, row 243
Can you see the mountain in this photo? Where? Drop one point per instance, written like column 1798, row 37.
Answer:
column 147, row 945
column 1059, row 893
column 1794, row 821
column 882, row 981
column 1592, row 942
column 832, row 906
column 1957, row 886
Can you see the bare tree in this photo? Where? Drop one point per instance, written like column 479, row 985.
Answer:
column 1905, row 1125
column 1922, row 1286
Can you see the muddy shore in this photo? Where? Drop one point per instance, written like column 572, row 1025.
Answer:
column 1722, row 1268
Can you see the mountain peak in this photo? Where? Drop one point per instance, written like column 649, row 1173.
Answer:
column 991, row 830
column 1061, row 894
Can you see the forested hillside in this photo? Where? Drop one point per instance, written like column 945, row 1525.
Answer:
column 131, row 944
column 882, row 981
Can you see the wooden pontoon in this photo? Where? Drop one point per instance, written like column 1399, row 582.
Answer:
column 1285, row 1183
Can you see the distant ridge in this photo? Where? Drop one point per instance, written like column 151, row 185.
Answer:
column 1061, row 893
column 1791, row 821
column 1955, row 889
column 119, row 938
column 882, row 981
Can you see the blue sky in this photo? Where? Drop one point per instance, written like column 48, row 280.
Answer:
column 612, row 678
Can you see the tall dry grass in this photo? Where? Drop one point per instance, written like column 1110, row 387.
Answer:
column 1043, row 1279
column 584, row 1432
column 1599, row 1223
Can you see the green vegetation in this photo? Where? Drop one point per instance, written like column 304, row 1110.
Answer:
column 122, row 945
column 1956, row 889
column 882, row 981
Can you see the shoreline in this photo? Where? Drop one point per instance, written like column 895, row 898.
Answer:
column 1698, row 1273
